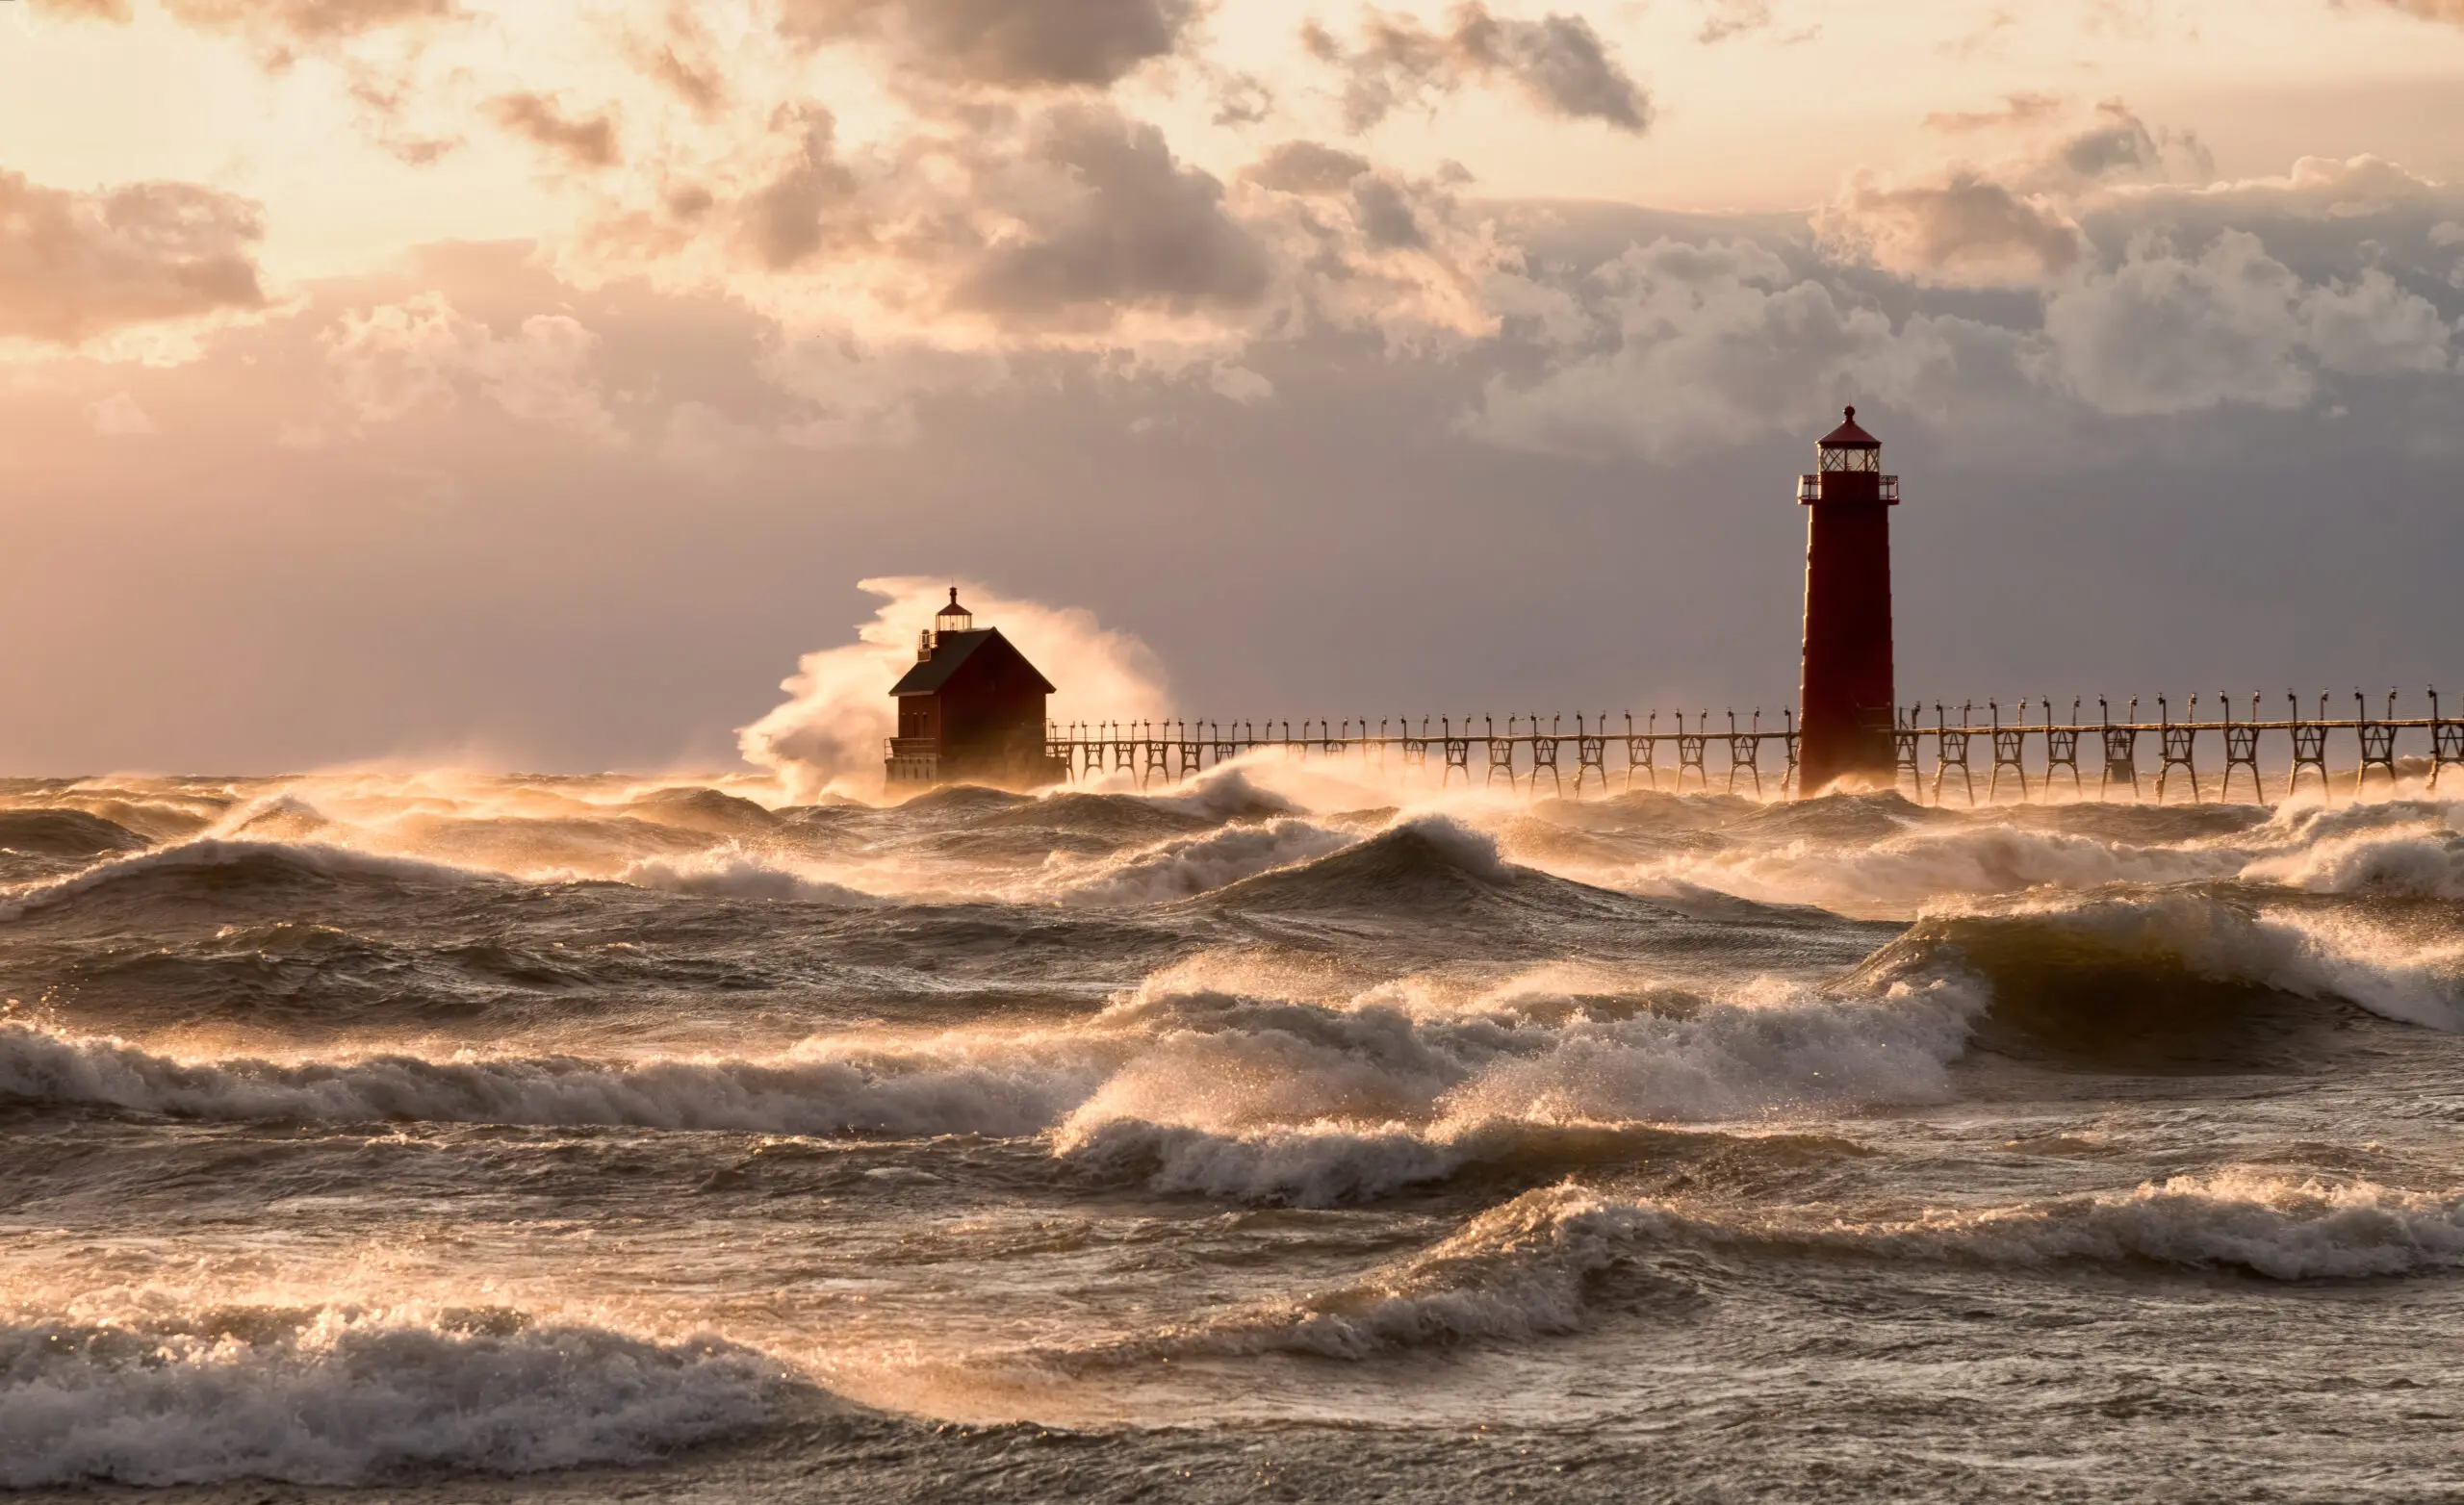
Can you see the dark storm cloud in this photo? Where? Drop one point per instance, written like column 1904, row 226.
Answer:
column 1136, row 227
column 1559, row 62
column 584, row 142
column 1015, row 45
column 76, row 266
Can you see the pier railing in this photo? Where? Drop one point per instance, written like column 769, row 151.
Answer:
column 1937, row 749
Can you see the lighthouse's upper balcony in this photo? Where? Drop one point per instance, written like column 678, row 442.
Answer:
column 1810, row 489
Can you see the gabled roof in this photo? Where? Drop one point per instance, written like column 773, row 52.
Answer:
column 1848, row 436
column 950, row 650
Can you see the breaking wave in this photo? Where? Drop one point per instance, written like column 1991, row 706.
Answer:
column 223, row 869
column 330, row 1395
column 1425, row 869
column 735, row 872
column 2407, row 849
column 2191, row 975
column 64, row 833
column 891, row 1096
column 1187, row 866
column 1316, row 1105
column 1534, row 1266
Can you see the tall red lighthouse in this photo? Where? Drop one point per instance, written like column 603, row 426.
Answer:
column 1845, row 722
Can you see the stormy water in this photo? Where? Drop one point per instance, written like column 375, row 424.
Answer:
column 1285, row 1134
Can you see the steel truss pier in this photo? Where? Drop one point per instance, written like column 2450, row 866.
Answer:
column 1525, row 754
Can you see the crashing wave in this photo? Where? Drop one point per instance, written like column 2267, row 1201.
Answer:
column 2190, row 973
column 1316, row 1105
column 737, row 871
column 330, row 1395
column 1187, row 866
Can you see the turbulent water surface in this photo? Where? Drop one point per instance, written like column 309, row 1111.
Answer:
column 1277, row 1135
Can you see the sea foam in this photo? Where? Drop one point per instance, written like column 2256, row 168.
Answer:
column 342, row 1396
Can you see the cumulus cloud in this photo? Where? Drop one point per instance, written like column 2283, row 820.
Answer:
column 1365, row 248
column 2014, row 221
column 2166, row 333
column 77, row 265
column 1966, row 228
column 1559, row 62
column 1066, row 221
column 423, row 353
column 1014, row 45
column 1702, row 345
column 581, row 140
column 1120, row 222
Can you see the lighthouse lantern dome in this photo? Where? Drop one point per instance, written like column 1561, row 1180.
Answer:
column 1849, row 448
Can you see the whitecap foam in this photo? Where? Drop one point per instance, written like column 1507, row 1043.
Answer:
column 343, row 1396
column 734, row 871
column 1517, row 1270
column 1316, row 1104
column 855, row 1092
column 1904, row 872
column 2266, row 1224
column 1224, row 793
column 1525, row 1267
column 2413, row 857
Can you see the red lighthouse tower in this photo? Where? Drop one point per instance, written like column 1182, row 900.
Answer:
column 1844, row 723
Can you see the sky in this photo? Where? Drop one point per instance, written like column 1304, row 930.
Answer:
column 539, row 386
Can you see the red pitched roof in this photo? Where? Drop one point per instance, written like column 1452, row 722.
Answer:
column 1848, row 436
column 953, row 649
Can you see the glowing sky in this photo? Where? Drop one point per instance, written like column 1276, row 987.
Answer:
column 533, row 383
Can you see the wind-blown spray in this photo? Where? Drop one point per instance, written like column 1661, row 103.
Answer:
column 837, row 715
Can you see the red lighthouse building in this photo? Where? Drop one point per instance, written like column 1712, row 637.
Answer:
column 1844, row 718
column 970, row 711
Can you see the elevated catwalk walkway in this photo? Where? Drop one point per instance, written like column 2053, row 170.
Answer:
column 1939, row 754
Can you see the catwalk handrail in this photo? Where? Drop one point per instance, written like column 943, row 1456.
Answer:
column 2025, row 750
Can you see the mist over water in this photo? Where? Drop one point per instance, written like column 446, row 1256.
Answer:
column 1292, row 1130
